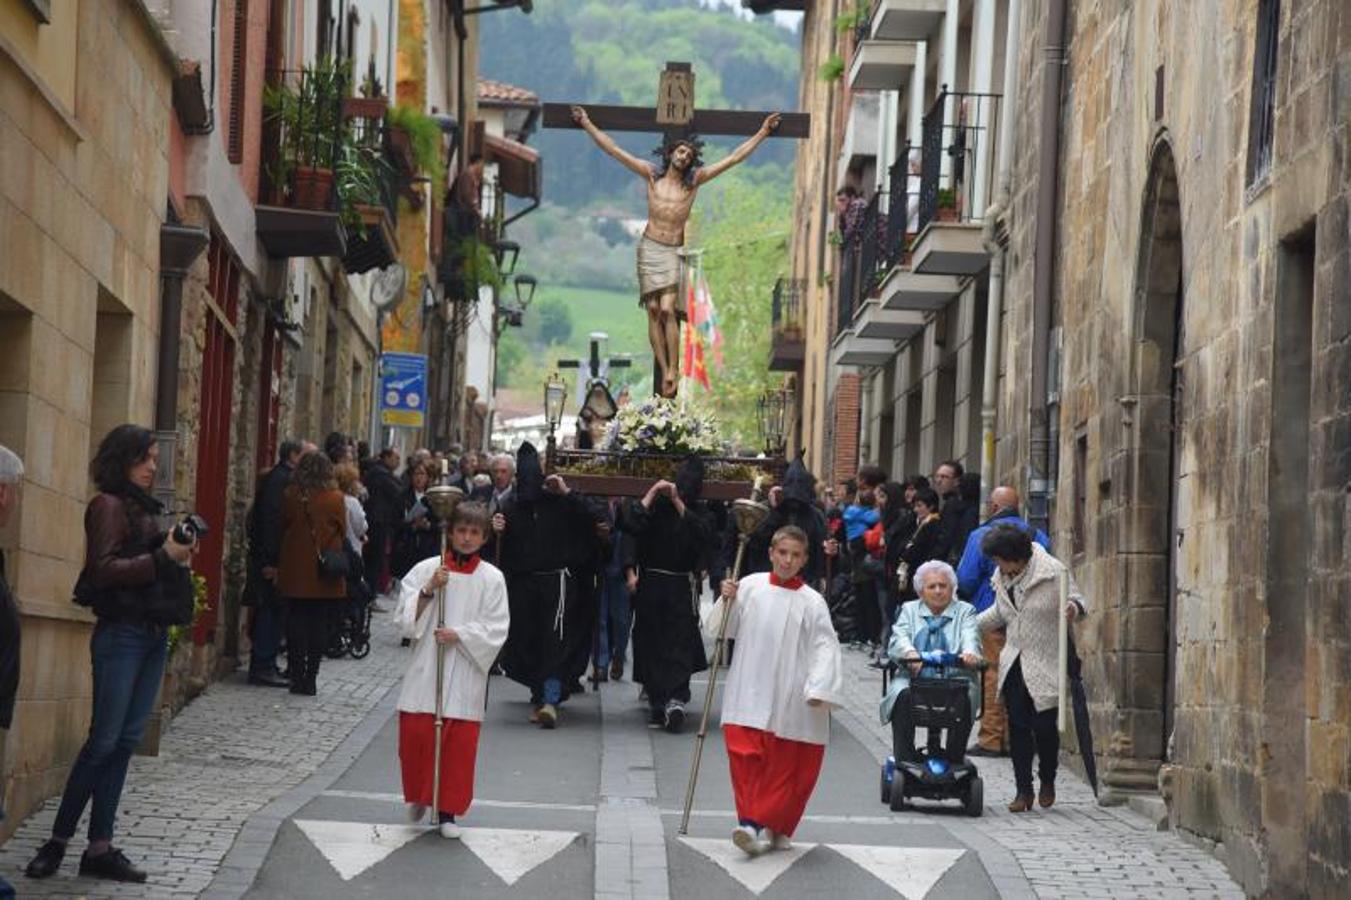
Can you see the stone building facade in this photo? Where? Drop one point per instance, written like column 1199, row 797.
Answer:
column 134, row 181
column 1169, row 343
column 1202, row 432
column 84, row 178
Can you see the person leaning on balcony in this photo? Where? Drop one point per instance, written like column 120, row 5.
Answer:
column 313, row 521
column 131, row 566
column 11, row 476
column 1026, row 585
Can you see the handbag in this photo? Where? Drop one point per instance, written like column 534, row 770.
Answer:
column 331, row 564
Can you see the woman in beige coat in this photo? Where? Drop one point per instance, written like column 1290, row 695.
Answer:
column 1027, row 603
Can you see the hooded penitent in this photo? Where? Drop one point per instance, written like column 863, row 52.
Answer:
column 799, row 485
column 529, row 474
column 689, row 479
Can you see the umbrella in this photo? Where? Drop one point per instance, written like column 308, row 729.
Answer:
column 1083, row 728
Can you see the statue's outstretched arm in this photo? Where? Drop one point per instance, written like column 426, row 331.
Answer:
column 607, row 143
column 709, row 172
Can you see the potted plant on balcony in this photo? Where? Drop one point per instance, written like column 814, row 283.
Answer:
column 418, row 139
column 947, row 206
column 312, row 132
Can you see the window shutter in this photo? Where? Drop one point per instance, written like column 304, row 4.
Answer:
column 238, row 59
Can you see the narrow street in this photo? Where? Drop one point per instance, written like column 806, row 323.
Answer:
column 261, row 794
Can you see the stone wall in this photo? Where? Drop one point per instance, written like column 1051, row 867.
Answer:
column 1191, row 441
column 82, row 194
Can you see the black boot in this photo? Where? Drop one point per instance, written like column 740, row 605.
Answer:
column 111, row 864
column 47, row 861
column 298, row 670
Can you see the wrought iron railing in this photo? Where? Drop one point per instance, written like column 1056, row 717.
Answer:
column 902, row 209
column 304, row 132
column 863, row 23
column 787, row 308
column 846, row 283
column 957, row 146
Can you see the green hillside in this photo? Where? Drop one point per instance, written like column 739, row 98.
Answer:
column 612, row 51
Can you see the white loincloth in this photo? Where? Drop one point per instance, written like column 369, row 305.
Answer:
column 658, row 268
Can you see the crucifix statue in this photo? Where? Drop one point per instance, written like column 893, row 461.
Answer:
column 672, row 183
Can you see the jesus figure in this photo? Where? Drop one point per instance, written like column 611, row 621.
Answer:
column 671, row 186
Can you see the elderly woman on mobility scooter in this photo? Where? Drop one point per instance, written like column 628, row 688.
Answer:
column 1027, row 603
column 934, row 642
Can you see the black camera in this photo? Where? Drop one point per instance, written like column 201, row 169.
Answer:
column 192, row 528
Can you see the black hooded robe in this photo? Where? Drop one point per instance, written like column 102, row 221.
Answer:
column 548, row 540
column 670, row 550
column 797, row 506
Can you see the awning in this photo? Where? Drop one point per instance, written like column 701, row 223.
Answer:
column 518, row 166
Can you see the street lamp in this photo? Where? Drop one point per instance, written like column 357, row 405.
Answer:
column 524, row 285
column 555, row 392
column 500, row 251
column 772, row 414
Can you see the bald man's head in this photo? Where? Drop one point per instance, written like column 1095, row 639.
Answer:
column 1003, row 497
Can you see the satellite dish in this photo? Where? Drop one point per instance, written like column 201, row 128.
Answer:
column 388, row 285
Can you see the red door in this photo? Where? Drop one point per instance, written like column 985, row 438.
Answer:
column 213, row 446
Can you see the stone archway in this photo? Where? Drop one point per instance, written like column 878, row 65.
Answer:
column 1147, row 645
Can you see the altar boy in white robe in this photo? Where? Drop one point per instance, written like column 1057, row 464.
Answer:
column 475, row 629
column 785, row 676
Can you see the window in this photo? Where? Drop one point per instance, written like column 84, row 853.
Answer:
column 1079, row 537
column 1262, row 107
column 238, row 63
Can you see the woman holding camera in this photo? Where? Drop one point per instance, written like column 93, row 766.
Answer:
column 136, row 580
column 312, row 574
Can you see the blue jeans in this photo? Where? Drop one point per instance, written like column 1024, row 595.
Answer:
column 268, row 626
column 616, row 620
column 128, row 668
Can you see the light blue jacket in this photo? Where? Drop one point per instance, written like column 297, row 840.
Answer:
column 962, row 637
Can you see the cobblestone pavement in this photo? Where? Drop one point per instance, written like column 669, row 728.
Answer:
column 1075, row 849
column 237, row 749
column 226, row 755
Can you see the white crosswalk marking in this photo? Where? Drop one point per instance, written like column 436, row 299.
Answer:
column 353, row 847
column 511, row 852
column 910, row 871
column 755, row 874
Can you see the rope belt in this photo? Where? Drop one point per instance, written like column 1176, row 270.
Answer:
column 693, row 580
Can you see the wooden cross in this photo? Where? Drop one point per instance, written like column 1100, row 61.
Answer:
column 675, row 114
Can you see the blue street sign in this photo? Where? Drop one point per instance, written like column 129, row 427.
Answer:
column 403, row 389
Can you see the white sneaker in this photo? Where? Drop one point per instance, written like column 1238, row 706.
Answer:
column 778, row 841
column 450, row 831
column 748, row 841
column 416, row 813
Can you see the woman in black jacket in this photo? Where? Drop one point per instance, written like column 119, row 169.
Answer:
column 134, row 577
column 418, row 535
column 925, row 543
column 898, row 524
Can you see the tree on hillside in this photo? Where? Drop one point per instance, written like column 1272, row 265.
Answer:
column 555, row 322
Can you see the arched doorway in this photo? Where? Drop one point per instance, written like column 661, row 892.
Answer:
column 1149, row 651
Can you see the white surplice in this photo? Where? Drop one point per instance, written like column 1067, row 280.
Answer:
column 786, row 654
column 476, row 607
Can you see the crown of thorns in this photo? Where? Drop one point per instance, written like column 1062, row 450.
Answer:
column 671, row 142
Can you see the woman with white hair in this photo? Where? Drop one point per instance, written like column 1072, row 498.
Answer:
column 936, row 621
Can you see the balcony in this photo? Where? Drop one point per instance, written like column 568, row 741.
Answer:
column 376, row 174
column 303, row 127
column 955, row 179
column 906, row 20
column 849, row 349
column 787, row 344
column 881, row 65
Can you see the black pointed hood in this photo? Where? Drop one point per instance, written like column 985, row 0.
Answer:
column 529, row 474
column 689, row 480
column 798, row 483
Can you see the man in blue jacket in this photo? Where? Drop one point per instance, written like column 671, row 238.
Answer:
column 973, row 577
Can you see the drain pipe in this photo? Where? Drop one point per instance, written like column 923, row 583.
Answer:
column 995, row 238
column 1039, row 474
